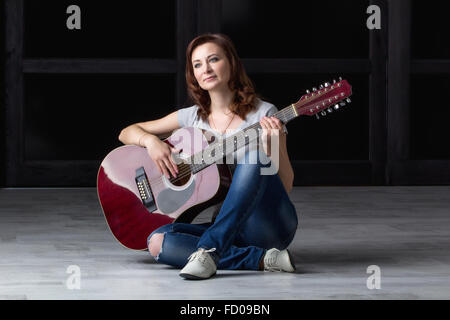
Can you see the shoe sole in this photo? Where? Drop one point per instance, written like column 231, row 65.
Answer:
column 192, row 277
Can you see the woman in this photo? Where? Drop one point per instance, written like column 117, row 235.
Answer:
column 256, row 221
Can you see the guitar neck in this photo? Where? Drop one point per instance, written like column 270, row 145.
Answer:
column 327, row 99
column 225, row 147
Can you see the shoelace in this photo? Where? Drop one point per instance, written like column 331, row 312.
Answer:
column 269, row 263
column 200, row 255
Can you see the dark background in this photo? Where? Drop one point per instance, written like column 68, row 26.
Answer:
column 68, row 93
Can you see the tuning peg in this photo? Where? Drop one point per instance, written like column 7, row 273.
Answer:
column 330, row 110
column 317, row 116
column 327, row 84
column 340, row 79
column 336, row 107
column 308, row 92
column 342, row 104
column 321, row 87
column 348, row 100
column 323, row 113
column 314, row 89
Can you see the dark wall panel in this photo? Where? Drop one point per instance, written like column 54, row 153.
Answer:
column 430, row 114
column 292, row 29
column 109, row 29
column 79, row 116
column 430, row 29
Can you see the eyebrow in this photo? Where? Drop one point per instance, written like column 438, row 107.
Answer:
column 214, row 54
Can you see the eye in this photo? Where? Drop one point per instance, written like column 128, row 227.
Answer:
column 196, row 65
column 214, row 59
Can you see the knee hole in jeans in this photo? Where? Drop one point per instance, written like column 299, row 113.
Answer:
column 155, row 244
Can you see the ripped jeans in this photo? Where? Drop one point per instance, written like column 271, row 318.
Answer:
column 255, row 216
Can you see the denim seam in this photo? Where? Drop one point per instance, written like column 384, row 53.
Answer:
column 246, row 212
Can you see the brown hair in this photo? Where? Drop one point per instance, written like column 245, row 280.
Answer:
column 245, row 98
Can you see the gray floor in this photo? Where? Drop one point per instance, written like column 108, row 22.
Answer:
column 405, row 231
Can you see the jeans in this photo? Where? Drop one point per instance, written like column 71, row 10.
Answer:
column 256, row 215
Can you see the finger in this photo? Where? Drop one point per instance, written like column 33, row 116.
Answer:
column 275, row 127
column 164, row 170
column 169, row 166
column 265, row 123
column 278, row 122
column 159, row 168
column 274, row 123
column 174, row 164
column 269, row 126
column 268, row 122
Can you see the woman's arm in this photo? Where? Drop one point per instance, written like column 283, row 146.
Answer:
column 140, row 133
column 285, row 170
column 144, row 134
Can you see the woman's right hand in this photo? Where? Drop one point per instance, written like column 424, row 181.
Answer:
column 161, row 154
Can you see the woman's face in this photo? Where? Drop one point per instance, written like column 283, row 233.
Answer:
column 211, row 67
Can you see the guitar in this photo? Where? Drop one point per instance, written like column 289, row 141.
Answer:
column 137, row 199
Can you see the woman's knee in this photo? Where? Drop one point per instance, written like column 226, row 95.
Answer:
column 155, row 244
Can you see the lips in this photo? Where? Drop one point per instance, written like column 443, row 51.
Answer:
column 210, row 78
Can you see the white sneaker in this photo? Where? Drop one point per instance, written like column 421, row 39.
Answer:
column 200, row 266
column 276, row 260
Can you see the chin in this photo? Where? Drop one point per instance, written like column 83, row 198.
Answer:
column 211, row 86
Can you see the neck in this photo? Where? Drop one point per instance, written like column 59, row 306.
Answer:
column 221, row 100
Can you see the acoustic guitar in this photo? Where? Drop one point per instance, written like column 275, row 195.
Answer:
column 137, row 199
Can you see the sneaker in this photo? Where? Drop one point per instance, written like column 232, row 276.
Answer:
column 200, row 265
column 276, row 260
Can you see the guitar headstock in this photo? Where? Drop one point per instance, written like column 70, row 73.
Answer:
column 329, row 97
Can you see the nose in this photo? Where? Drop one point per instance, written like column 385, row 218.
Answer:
column 208, row 68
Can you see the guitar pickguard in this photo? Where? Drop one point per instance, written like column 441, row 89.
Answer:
column 170, row 200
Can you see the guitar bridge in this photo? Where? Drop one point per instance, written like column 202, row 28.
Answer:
column 144, row 190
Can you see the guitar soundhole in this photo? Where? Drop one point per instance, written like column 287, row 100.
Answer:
column 184, row 174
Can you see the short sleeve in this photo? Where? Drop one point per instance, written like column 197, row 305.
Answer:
column 186, row 116
column 271, row 112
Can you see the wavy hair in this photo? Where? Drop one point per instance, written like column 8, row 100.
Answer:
column 245, row 98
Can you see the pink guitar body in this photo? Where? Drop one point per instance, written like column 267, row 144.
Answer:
column 173, row 200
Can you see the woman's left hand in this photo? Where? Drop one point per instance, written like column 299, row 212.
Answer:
column 272, row 127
